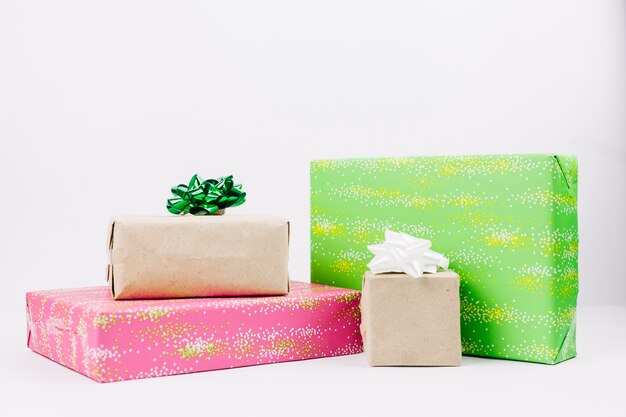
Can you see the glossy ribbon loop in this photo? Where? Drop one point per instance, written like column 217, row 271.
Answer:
column 401, row 252
column 201, row 197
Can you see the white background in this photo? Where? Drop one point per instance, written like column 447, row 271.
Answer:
column 106, row 104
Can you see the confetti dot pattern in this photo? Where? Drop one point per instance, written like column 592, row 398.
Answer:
column 108, row 340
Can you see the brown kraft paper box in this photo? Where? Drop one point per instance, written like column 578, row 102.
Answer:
column 409, row 321
column 198, row 256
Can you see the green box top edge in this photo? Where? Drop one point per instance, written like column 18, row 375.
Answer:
column 547, row 155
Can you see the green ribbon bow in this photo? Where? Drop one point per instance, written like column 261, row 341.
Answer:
column 205, row 197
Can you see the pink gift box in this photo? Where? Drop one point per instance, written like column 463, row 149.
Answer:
column 108, row 340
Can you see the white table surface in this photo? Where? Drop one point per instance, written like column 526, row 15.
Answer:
column 594, row 383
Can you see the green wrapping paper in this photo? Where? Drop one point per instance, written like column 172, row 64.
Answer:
column 508, row 224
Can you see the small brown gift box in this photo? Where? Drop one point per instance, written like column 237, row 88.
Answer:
column 409, row 321
column 198, row 256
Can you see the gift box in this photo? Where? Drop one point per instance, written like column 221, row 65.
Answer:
column 408, row 321
column 108, row 340
column 198, row 256
column 508, row 224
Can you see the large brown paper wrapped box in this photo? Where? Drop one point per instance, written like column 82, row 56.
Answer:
column 409, row 321
column 198, row 256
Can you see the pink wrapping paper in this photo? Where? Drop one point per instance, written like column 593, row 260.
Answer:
column 107, row 340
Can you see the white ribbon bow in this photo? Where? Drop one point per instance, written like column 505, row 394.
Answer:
column 404, row 253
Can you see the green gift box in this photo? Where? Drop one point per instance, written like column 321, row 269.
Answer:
column 508, row 224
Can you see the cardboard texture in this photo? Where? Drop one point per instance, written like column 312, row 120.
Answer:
column 411, row 321
column 508, row 224
column 86, row 330
column 198, row 256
